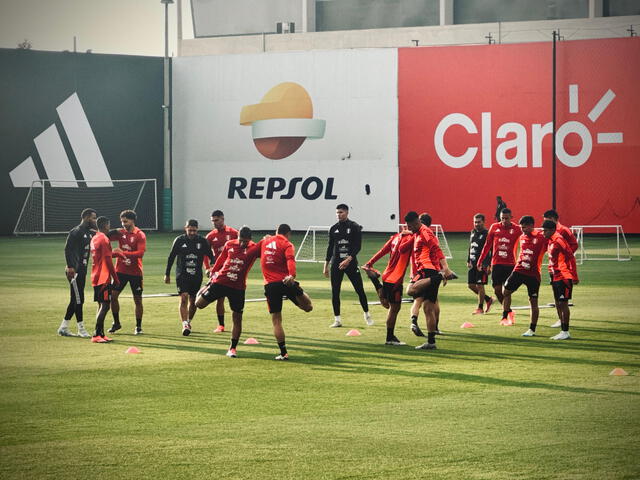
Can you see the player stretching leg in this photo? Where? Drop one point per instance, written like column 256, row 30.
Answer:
column 190, row 249
column 278, row 263
column 477, row 279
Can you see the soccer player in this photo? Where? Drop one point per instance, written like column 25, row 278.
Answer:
column 132, row 244
column 427, row 280
column 527, row 271
column 477, row 278
column 76, row 252
column 229, row 279
column 501, row 242
column 278, row 264
column 565, row 274
column 399, row 248
column 345, row 240
column 501, row 205
column 190, row 248
column 217, row 237
column 102, row 274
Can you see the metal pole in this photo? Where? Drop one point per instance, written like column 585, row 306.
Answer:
column 167, row 202
column 553, row 125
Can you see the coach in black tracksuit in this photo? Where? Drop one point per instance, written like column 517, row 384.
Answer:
column 345, row 240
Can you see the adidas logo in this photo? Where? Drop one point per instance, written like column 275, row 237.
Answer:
column 53, row 155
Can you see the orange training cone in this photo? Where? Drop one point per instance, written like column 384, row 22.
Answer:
column 353, row 333
column 618, row 371
column 132, row 350
column 467, row 325
column 251, row 341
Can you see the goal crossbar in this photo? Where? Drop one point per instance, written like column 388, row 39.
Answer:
column 602, row 252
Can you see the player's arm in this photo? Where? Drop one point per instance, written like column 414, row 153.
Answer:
column 386, row 248
column 108, row 258
column 172, row 256
column 220, row 259
column 486, row 248
column 330, row 246
column 572, row 241
column 356, row 240
column 289, row 255
column 141, row 248
column 70, row 254
column 114, row 234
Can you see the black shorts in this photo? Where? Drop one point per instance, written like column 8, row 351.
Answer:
column 475, row 277
column 102, row 293
column 516, row 279
column 188, row 284
column 134, row 281
column 500, row 273
column 562, row 290
column 213, row 291
column 431, row 293
column 277, row 290
column 392, row 292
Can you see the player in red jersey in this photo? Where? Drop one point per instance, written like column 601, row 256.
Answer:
column 102, row 272
column 527, row 271
column 217, row 237
column 399, row 248
column 229, row 279
column 278, row 264
column 564, row 275
column 502, row 241
column 132, row 244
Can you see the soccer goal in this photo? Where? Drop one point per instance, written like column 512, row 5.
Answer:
column 601, row 242
column 313, row 247
column 54, row 206
column 442, row 238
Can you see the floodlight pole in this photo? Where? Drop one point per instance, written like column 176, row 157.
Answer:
column 556, row 34
column 167, row 207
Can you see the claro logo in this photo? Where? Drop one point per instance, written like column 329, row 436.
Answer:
column 537, row 133
column 282, row 121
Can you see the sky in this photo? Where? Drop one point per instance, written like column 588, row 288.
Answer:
column 132, row 27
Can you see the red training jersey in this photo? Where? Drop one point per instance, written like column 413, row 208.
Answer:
column 502, row 242
column 568, row 235
column 532, row 248
column 233, row 264
column 133, row 245
column 424, row 241
column 277, row 258
column 399, row 249
column 101, row 257
column 217, row 239
column 562, row 263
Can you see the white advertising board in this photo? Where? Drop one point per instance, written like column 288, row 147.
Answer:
column 285, row 137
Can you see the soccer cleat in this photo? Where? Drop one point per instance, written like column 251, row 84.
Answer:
column 138, row 331
column 477, row 311
column 512, row 317
column 114, row 328
column 231, row 353
column 282, row 357
column 427, row 346
column 505, row 322
column 529, row 333
column 394, row 341
column 186, row 328
column 99, row 339
column 336, row 324
column 371, row 272
column 558, row 324
column 489, row 303
column 82, row 332
column 561, row 336
column 368, row 319
column 452, row 276
column 107, row 338
column 65, row 332
column 416, row 330
column 219, row 329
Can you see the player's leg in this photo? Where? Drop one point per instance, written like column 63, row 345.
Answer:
column 102, row 296
column 374, row 276
column 220, row 314
column 393, row 294
column 139, row 311
column 192, row 306
column 76, row 299
column 429, row 306
column 303, row 301
column 115, row 304
column 183, row 309
column 418, row 287
column 336, row 282
column 436, row 312
column 416, row 306
column 236, row 302
column 533, row 288
column 506, row 306
column 562, row 291
column 353, row 272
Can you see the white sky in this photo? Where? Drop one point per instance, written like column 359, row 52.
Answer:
column 134, row 27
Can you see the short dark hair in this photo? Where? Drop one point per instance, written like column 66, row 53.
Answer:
column 411, row 216
column 130, row 214
column 217, row 213
column 245, row 232
column 343, row 206
column 425, row 219
column 506, row 211
column 192, row 222
column 87, row 212
column 480, row 216
column 549, row 224
column 551, row 214
column 102, row 222
column 527, row 220
column 283, row 229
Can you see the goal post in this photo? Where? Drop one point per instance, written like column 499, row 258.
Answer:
column 602, row 242
column 313, row 247
column 439, row 233
column 54, row 206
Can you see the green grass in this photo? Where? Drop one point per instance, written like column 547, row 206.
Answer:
column 488, row 404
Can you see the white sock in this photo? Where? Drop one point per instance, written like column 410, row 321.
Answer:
column 80, row 325
column 367, row 315
column 338, row 319
column 64, row 324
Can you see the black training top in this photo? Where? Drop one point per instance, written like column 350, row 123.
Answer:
column 190, row 253
column 345, row 239
column 77, row 249
column 476, row 242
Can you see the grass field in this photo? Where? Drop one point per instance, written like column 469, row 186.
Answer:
column 488, row 404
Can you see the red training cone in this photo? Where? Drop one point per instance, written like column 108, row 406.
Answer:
column 251, row 341
column 353, row 333
column 133, row 350
column 467, row 325
column 618, row 371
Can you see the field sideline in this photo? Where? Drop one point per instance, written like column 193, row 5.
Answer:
column 488, row 404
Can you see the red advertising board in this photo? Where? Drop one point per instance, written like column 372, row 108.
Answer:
column 475, row 122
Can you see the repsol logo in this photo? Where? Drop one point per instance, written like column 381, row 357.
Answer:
column 257, row 188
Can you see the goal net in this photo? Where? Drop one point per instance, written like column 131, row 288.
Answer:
column 601, row 242
column 439, row 233
column 313, row 247
column 54, row 206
